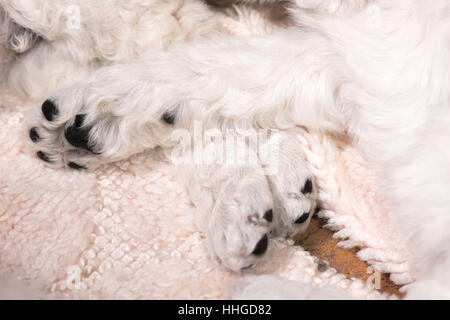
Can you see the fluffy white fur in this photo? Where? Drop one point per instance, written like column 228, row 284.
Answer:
column 80, row 36
column 232, row 201
column 14, row 39
column 376, row 70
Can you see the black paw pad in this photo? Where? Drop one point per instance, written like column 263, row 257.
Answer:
column 79, row 119
column 78, row 136
column 268, row 215
column 34, row 136
column 49, row 110
column 261, row 246
column 308, row 187
column 43, row 156
column 76, row 166
column 303, row 218
column 168, row 117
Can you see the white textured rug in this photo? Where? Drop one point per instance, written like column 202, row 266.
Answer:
column 127, row 230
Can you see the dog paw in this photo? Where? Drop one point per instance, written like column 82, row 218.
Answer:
column 83, row 126
column 240, row 207
column 294, row 201
column 293, row 188
column 240, row 221
column 64, row 138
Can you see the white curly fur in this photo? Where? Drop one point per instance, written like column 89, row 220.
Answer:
column 376, row 70
column 121, row 123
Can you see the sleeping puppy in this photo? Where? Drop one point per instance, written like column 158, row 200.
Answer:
column 97, row 114
column 375, row 70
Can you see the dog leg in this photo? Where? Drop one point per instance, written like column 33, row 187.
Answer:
column 234, row 209
column 293, row 187
column 264, row 188
column 124, row 109
column 108, row 118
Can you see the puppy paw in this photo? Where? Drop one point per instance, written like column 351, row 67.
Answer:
column 240, row 220
column 294, row 201
column 293, row 189
column 84, row 126
column 65, row 138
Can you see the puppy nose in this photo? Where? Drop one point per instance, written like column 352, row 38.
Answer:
column 261, row 246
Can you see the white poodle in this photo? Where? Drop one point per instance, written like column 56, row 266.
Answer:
column 375, row 70
column 239, row 205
